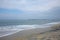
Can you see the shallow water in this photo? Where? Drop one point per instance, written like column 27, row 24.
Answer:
column 11, row 26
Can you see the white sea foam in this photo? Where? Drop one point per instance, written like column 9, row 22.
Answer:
column 7, row 30
column 19, row 27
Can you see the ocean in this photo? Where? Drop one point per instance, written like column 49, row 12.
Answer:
column 8, row 27
column 24, row 24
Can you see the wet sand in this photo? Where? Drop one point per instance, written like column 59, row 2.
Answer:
column 48, row 35
column 34, row 34
column 23, row 34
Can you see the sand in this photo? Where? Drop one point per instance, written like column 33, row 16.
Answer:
column 23, row 34
column 30, row 34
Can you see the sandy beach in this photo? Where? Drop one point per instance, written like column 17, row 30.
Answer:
column 25, row 34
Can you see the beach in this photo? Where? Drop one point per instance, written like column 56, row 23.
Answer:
column 30, row 34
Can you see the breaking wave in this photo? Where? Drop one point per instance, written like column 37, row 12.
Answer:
column 23, row 27
column 7, row 30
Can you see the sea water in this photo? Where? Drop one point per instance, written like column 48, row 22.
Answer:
column 8, row 27
column 23, row 24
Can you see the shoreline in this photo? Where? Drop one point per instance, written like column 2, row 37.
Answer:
column 25, row 33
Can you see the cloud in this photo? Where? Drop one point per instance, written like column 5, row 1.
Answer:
column 50, row 14
column 28, row 9
column 29, row 5
column 3, row 10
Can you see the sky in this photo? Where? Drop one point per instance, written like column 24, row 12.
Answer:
column 29, row 9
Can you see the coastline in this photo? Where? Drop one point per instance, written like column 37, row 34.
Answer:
column 24, row 33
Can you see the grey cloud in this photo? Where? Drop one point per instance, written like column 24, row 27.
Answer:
column 50, row 14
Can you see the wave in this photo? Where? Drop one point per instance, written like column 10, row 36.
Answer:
column 23, row 27
column 17, row 27
column 7, row 30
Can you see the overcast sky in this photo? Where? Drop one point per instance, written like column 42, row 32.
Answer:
column 29, row 9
